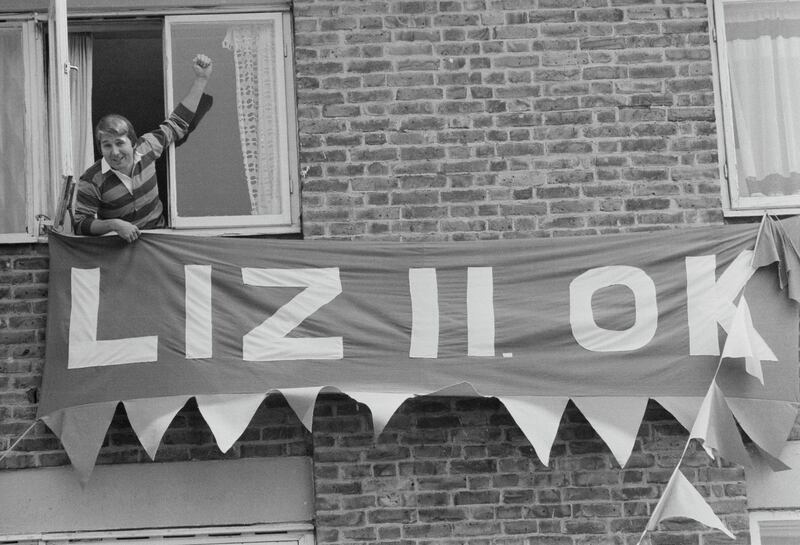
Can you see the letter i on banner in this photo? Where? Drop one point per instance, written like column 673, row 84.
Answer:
column 480, row 311
column 424, row 313
column 198, row 311
column 424, row 290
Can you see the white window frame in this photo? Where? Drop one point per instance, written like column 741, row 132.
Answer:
column 35, row 121
column 242, row 223
column 774, row 523
column 260, row 534
column 733, row 204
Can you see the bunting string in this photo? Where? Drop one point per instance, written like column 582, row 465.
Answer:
column 681, row 458
column 17, row 442
column 678, row 486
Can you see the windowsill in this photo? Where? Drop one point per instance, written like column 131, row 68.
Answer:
column 230, row 231
column 207, row 232
column 755, row 212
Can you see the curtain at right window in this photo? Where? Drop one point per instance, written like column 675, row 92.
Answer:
column 763, row 53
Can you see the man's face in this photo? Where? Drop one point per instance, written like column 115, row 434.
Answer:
column 117, row 151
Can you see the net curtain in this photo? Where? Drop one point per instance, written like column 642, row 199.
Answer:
column 13, row 207
column 80, row 88
column 253, row 47
column 763, row 45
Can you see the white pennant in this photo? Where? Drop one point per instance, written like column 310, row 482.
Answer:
column 150, row 418
column 228, row 415
column 717, row 429
column 684, row 409
column 81, row 431
column 767, row 422
column 538, row 418
column 743, row 341
column 616, row 420
column 382, row 405
column 681, row 499
column 302, row 401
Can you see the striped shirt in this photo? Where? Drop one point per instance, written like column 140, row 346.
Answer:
column 103, row 195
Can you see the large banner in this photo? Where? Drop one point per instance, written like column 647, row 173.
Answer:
column 625, row 315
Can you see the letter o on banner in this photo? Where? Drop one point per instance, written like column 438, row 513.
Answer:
column 593, row 337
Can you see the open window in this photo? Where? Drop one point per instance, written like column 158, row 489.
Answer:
column 235, row 173
column 23, row 141
column 234, row 169
column 757, row 53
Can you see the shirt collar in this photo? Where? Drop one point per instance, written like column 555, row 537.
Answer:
column 105, row 167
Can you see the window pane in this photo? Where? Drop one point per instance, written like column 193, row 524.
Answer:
column 13, row 173
column 763, row 47
column 231, row 165
column 780, row 532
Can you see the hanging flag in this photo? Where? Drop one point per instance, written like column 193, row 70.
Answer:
column 228, row 415
column 777, row 243
column 743, row 341
column 716, row 428
column 635, row 316
column 538, row 418
column 616, row 420
column 151, row 417
column 681, row 499
column 81, row 431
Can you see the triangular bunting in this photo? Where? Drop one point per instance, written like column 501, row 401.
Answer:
column 538, row 418
column 684, row 409
column 150, row 418
column 462, row 389
column 768, row 423
column 743, row 341
column 716, row 428
column 302, row 401
column 382, row 405
column 762, row 458
column 775, row 244
column 616, row 420
column 228, row 415
column 681, row 499
column 81, row 431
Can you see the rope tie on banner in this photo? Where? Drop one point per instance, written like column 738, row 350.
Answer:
column 17, row 442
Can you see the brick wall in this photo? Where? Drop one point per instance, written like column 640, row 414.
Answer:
column 445, row 470
column 465, row 119
column 23, row 308
column 458, row 120
column 459, row 470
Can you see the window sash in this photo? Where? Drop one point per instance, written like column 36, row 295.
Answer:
column 775, row 527
column 734, row 201
column 34, row 120
column 284, row 136
column 259, row 534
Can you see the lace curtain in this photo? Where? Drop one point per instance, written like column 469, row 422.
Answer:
column 253, row 49
column 763, row 45
column 13, row 199
column 80, row 87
